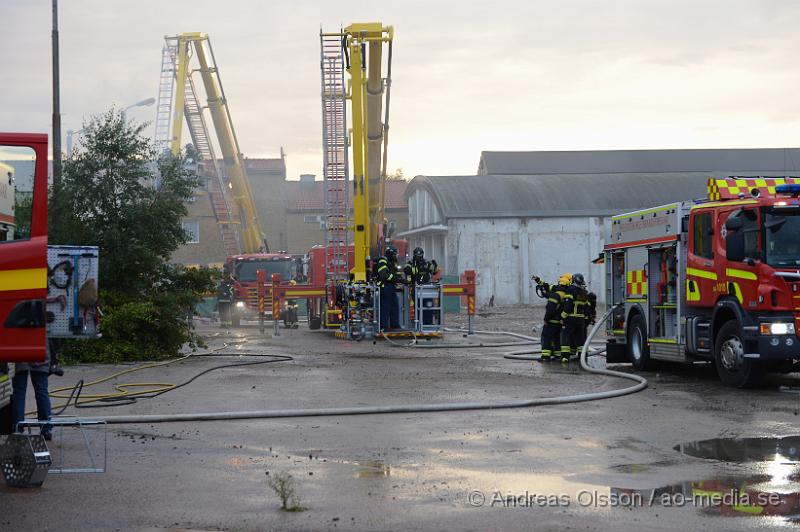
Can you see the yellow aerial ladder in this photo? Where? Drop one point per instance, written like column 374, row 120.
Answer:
column 178, row 101
column 353, row 303
column 363, row 44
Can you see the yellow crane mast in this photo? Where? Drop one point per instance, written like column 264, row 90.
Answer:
column 364, row 43
column 198, row 44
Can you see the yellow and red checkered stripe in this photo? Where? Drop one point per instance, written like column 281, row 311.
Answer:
column 637, row 283
column 730, row 187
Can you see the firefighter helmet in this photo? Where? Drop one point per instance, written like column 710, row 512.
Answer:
column 565, row 279
column 391, row 252
column 419, row 253
column 578, row 280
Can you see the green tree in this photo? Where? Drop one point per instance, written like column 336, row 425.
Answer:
column 109, row 199
column 397, row 175
column 116, row 195
column 23, row 212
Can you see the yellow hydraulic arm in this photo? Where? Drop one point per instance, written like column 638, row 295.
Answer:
column 253, row 239
column 364, row 44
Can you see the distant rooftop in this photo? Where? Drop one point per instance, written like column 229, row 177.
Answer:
column 742, row 161
column 266, row 165
column 310, row 196
column 560, row 195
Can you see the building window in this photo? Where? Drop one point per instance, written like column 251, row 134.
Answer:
column 312, row 218
column 192, row 230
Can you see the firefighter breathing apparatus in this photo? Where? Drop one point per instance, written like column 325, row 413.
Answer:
column 159, row 388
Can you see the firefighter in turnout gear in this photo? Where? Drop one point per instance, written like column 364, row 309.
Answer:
column 574, row 313
column 551, row 331
column 290, row 320
column 591, row 311
column 387, row 277
column 419, row 270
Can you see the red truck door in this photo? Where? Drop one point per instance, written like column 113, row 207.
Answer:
column 701, row 275
column 23, row 246
column 741, row 275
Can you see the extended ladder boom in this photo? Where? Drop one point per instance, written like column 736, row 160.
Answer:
column 253, row 239
column 338, row 226
column 364, row 44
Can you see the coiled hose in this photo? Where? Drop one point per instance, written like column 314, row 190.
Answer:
column 641, row 384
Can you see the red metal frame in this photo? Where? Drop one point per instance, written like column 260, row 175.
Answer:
column 278, row 292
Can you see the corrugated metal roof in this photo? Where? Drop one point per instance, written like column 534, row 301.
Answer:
column 503, row 196
column 639, row 161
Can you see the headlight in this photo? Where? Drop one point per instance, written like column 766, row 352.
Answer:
column 777, row 328
column 240, row 304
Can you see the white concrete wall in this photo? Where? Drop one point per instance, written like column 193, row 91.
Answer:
column 506, row 252
column 422, row 209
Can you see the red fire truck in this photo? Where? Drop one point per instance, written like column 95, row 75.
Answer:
column 327, row 312
column 715, row 280
column 23, row 270
column 240, row 299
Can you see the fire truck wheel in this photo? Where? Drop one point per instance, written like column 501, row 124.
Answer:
column 638, row 350
column 733, row 369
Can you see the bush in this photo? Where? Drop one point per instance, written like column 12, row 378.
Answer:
column 153, row 327
column 116, row 195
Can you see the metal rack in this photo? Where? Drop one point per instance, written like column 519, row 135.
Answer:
column 95, row 466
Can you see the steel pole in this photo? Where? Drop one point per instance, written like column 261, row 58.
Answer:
column 56, row 109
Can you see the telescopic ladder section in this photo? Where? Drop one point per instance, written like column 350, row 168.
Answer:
column 211, row 168
column 193, row 112
column 166, row 89
column 334, row 147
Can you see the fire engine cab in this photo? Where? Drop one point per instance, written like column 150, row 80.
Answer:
column 715, row 279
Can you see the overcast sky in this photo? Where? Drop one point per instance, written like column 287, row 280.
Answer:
column 467, row 76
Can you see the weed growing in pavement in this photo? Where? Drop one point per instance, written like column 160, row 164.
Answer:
column 283, row 485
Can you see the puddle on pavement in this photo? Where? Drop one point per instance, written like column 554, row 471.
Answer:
column 742, row 450
column 735, row 496
column 372, row 469
column 773, row 490
column 640, row 468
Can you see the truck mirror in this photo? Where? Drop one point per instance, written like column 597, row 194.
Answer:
column 734, row 245
column 775, row 223
column 734, row 223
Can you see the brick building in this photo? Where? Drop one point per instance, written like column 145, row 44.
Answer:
column 292, row 213
column 267, row 182
column 305, row 211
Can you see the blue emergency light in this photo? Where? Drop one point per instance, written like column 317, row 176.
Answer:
column 788, row 188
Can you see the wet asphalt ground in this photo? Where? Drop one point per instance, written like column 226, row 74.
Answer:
column 603, row 465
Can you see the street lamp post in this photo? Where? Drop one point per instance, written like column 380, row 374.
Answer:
column 71, row 134
column 144, row 103
column 54, row 211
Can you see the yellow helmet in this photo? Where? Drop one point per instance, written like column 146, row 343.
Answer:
column 565, row 279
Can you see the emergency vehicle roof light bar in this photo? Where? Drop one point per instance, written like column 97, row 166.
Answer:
column 793, row 189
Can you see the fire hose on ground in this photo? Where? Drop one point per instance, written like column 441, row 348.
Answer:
column 641, row 383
